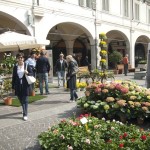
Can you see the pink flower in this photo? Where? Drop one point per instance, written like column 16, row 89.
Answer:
column 70, row 147
column 87, row 141
column 97, row 90
column 62, row 136
column 124, row 90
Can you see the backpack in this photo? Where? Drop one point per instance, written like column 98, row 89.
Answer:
column 75, row 69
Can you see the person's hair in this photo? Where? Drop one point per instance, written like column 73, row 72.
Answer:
column 61, row 55
column 42, row 53
column 32, row 53
column 20, row 55
column 70, row 58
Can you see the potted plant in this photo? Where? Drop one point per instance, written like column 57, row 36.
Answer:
column 6, row 91
column 115, row 57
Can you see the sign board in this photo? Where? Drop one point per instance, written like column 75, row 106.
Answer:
column 49, row 55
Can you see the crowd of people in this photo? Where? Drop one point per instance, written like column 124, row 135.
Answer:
column 39, row 67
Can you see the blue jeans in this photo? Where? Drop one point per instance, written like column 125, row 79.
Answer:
column 24, row 103
column 43, row 77
column 73, row 94
column 61, row 76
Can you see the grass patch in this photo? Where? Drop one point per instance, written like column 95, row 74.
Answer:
column 16, row 103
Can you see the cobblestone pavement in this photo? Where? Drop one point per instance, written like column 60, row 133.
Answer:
column 16, row 134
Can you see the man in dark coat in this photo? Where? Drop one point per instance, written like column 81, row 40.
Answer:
column 43, row 69
column 60, row 68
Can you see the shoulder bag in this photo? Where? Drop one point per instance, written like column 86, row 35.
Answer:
column 30, row 79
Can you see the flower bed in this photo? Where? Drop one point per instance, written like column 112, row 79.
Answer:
column 90, row 133
column 123, row 98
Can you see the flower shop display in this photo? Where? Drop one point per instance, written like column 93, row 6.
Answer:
column 117, row 99
column 90, row 133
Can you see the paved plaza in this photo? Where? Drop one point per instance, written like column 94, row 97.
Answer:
column 16, row 134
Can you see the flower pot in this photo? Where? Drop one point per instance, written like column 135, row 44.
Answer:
column 8, row 101
column 140, row 121
column 32, row 93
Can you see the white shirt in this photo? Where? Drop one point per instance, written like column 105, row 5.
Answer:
column 20, row 70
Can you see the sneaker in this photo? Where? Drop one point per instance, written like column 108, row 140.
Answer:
column 69, row 101
column 73, row 101
column 47, row 93
column 25, row 118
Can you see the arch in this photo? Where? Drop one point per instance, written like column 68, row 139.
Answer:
column 117, row 40
column 9, row 21
column 75, row 38
column 140, row 49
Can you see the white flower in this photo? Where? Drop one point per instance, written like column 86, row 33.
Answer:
column 70, row 147
column 87, row 141
column 103, row 118
column 90, row 120
column 114, row 120
column 108, row 121
column 112, row 128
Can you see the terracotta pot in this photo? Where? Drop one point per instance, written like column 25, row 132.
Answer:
column 8, row 101
column 140, row 121
column 32, row 93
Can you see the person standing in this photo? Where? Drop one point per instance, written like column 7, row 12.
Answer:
column 43, row 69
column 32, row 63
column 125, row 62
column 71, row 78
column 20, row 85
column 60, row 68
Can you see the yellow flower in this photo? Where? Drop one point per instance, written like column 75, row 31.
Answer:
column 102, row 42
column 103, row 60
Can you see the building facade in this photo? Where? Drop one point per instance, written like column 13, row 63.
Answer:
column 73, row 27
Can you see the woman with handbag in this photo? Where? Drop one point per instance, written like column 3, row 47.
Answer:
column 20, row 85
column 71, row 77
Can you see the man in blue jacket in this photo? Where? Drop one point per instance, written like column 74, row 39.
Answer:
column 43, row 69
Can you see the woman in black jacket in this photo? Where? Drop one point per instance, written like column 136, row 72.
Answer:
column 20, row 85
column 71, row 77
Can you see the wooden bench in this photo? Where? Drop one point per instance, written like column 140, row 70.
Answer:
column 139, row 75
column 120, row 67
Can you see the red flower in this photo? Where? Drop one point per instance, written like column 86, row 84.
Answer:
column 143, row 137
column 86, row 115
column 125, row 134
column 121, row 145
column 109, row 141
column 120, row 137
